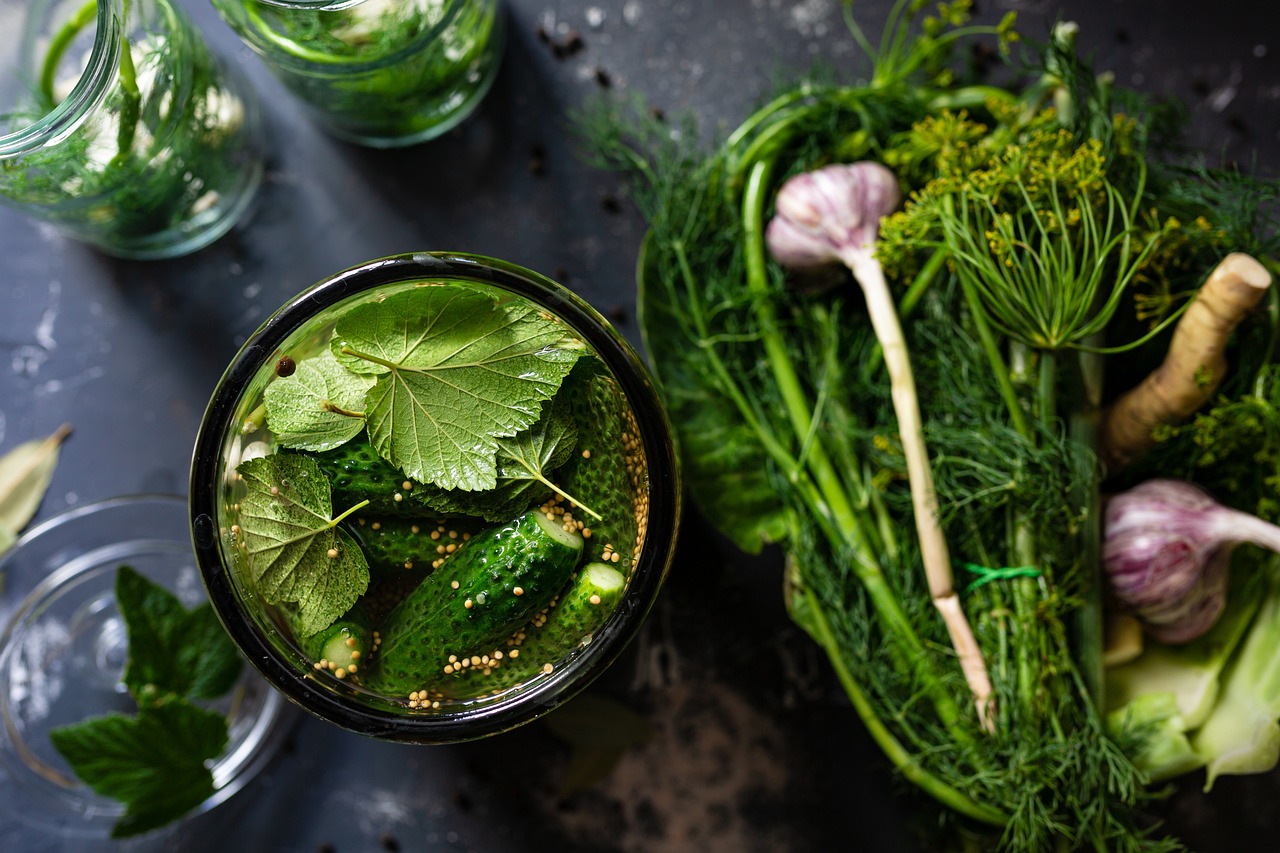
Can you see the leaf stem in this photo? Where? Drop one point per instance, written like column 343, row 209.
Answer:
column 254, row 420
column 355, row 508
column 373, row 359
column 562, row 493
column 330, row 406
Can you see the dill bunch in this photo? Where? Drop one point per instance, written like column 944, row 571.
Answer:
column 1036, row 215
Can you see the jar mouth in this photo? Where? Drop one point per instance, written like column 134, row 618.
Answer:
column 344, row 66
column 344, row 705
column 88, row 92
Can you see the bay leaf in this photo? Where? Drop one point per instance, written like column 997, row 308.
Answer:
column 25, row 474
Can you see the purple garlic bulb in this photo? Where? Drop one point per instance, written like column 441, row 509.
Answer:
column 1166, row 550
column 822, row 216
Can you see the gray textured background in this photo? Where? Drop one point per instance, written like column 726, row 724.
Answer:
column 754, row 748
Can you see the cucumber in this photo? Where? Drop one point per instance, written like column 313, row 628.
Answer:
column 582, row 609
column 476, row 599
column 345, row 647
column 611, row 476
column 356, row 472
column 394, row 546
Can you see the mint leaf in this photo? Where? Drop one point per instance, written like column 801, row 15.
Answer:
column 456, row 370
column 172, row 649
column 295, row 549
column 319, row 406
column 154, row 763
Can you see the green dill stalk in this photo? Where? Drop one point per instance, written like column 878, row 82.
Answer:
column 131, row 106
column 58, row 45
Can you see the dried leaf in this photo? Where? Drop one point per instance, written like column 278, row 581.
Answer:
column 25, row 474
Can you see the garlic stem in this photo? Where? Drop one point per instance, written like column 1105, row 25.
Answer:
column 924, row 496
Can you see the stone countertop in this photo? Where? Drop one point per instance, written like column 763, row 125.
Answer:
column 752, row 746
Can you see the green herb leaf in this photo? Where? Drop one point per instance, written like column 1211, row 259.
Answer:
column 456, row 370
column 289, row 534
column 524, row 464
column 172, row 649
column 154, row 763
column 25, row 474
column 319, row 406
column 726, row 467
column 545, row 446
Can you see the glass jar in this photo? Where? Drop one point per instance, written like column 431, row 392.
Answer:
column 119, row 126
column 376, row 72
column 62, row 654
column 623, row 463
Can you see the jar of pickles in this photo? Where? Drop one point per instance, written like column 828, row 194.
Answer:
column 377, row 72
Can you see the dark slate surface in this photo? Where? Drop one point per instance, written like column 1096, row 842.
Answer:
column 753, row 746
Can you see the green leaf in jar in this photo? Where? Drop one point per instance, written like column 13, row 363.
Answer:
column 25, row 474
column 525, row 464
column 319, row 406
column 456, row 370
column 295, row 549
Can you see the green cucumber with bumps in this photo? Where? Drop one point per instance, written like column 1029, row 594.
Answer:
column 395, row 546
column 473, row 602
column 356, row 473
column 581, row 611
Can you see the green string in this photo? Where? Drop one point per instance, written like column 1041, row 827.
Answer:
column 986, row 575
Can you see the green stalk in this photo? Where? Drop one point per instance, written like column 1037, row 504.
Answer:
column 1089, row 619
column 756, row 119
column 131, row 110
column 892, row 748
column 793, row 395
column 58, row 45
column 290, row 46
column 1024, row 595
column 991, row 347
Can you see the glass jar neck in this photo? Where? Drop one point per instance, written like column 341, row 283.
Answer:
column 313, row 5
column 90, row 89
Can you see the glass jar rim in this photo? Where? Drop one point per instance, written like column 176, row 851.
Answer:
column 340, row 65
column 88, row 92
column 649, row 572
